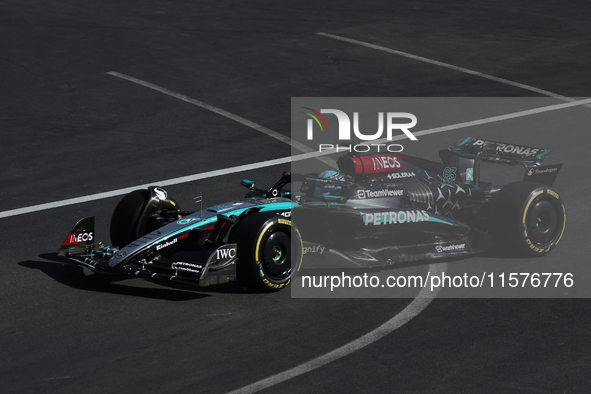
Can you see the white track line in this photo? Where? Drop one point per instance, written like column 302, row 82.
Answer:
column 519, row 114
column 211, row 108
column 492, row 119
column 417, row 305
column 280, row 137
column 217, row 110
column 302, row 156
column 422, row 300
column 168, row 182
column 446, row 65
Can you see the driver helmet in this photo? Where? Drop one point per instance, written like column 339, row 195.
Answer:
column 333, row 176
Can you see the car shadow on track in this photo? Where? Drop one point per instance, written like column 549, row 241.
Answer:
column 75, row 277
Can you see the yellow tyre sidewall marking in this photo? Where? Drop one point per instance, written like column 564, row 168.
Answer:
column 529, row 203
column 256, row 250
column 563, row 224
column 555, row 195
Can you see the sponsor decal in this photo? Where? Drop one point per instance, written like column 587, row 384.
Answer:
column 536, row 171
column 166, row 244
column 450, row 248
column 552, row 193
column 220, row 208
column 449, row 174
column 225, row 253
column 264, row 201
column 78, row 238
column 376, row 163
column 535, row 248
column 187, row 267
column 469, row 174
column 122, row 254
column 283, row 221
column 507, row 148
column 402, row 174
column 188, row 220
column 395, row 217
column 384, row 162
column 314, row 249
column 361, row 194
column 286, row 214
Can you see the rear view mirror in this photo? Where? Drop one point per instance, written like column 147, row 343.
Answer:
column 247, row 183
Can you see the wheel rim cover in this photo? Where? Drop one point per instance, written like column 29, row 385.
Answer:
column 276, row 255
column 543, row 222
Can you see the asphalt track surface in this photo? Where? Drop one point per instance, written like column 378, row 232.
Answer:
column 69, row 129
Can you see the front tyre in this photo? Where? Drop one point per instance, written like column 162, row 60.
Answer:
column 139, row 213
column 269, row 251
column 527, row 218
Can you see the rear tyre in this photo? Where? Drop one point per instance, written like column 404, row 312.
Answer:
column 527, row 218
column 265, row 251
column 133, row 218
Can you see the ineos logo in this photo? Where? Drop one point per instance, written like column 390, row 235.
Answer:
column 382, row 162
column 79, row 237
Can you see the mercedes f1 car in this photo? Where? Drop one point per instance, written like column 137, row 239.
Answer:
column 380, row 209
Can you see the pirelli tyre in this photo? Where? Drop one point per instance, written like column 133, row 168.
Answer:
column 527, row 218
column 137, row 215
column 269, row 251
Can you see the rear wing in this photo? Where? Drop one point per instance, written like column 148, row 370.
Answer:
column 467, row 154
column 498, row 152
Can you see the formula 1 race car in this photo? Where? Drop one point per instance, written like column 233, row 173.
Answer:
column 249, row 239
column 398, row 208
column 380, row 209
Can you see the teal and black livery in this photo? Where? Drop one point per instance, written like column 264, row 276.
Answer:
column 380, row 209
column 154, row 238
